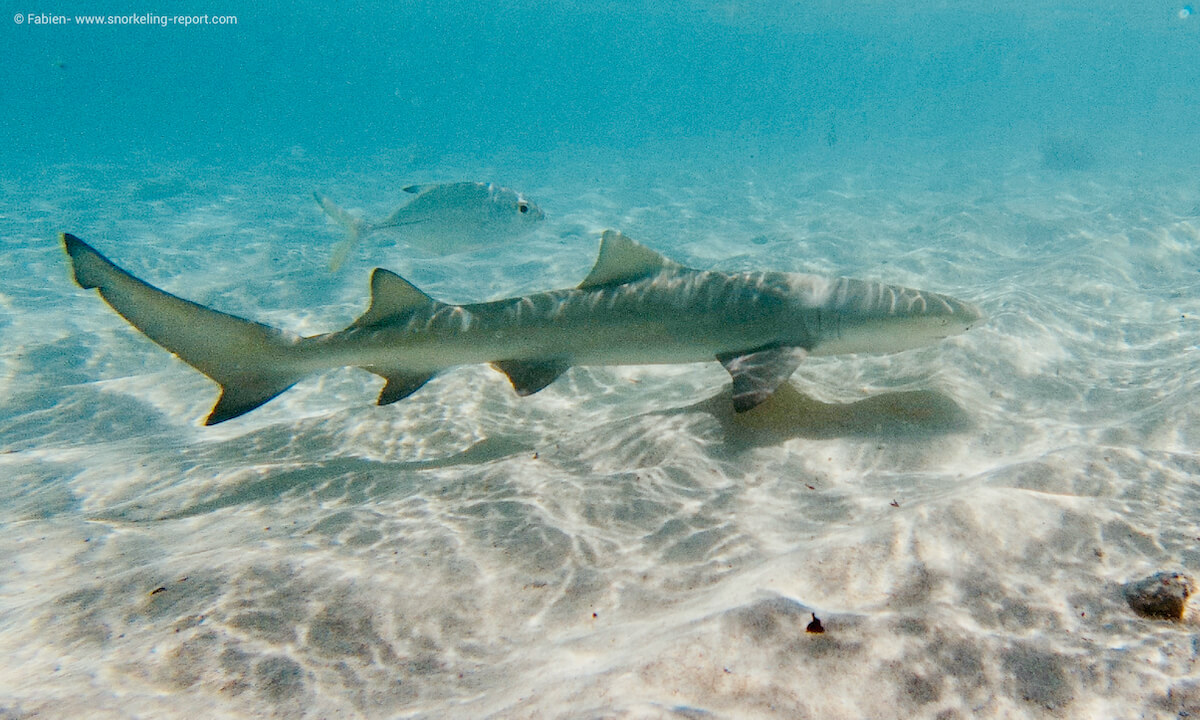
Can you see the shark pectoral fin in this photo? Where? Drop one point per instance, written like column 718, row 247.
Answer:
column 756, row 374
column 529, row 376
column 400, row 385
column 622, row 260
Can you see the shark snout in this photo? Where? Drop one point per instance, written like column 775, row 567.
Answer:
column 970, row 315
column 949, row 317
column 962, row 316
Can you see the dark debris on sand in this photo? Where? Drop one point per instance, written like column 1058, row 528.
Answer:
column 1162, row 596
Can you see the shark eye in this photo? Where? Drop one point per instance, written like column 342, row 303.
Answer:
column 523, row 207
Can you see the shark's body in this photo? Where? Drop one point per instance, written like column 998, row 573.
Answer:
column 635, row 307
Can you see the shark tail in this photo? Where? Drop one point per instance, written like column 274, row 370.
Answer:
column 251, row 362
column 354, row 227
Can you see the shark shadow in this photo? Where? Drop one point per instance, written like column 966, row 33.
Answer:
column 789, row 413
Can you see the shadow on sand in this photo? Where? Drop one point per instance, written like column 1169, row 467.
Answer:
column 358, row 479
column 789, row 413
column 890, row 416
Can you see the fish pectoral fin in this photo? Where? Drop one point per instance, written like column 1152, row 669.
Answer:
column 400, row 385
column 529, row 376
column 757, row 373
column 391, row 224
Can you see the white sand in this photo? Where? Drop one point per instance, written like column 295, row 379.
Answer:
column 618, row 545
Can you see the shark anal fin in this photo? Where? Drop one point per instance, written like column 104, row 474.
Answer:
column 241, row 395
column 400, row 385
column 621, row 260
column 529, row 376
column 756, row 374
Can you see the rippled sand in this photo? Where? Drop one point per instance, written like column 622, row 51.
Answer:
column 960, row 518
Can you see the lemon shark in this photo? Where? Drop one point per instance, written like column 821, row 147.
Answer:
column 635, row 307
column 442, row 219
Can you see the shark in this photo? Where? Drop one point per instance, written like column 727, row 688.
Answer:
column 635, row 307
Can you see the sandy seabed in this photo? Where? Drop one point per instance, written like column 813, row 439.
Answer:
column 961, row 518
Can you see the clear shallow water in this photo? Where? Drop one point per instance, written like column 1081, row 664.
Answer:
column 960, row 517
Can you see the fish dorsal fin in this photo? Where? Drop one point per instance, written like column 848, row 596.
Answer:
column 621, row 260
column 392, row 296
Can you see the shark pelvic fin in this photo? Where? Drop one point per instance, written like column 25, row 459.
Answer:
column 251, row 362
column 529, row 376
column 622, row 260
column 756, row 374
column 391, row 297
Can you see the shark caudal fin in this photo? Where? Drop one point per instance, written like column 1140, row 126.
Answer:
column 251, row 362
column 354, row 228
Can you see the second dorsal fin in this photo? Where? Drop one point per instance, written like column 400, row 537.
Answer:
column 621, row 260
column 392, row 296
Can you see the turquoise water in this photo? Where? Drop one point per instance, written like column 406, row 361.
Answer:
column 962, row 517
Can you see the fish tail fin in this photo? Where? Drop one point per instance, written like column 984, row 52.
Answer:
column 354, row 227
column 251, row 362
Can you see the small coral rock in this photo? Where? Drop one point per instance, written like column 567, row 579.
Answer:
column 1162, row 596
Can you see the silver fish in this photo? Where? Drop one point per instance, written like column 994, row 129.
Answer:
column 443, row 219
column 634, row 307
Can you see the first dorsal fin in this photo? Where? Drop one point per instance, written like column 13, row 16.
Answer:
column 392, row 296
column 622, row 260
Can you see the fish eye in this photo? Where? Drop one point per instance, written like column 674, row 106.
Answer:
column 523, row 207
